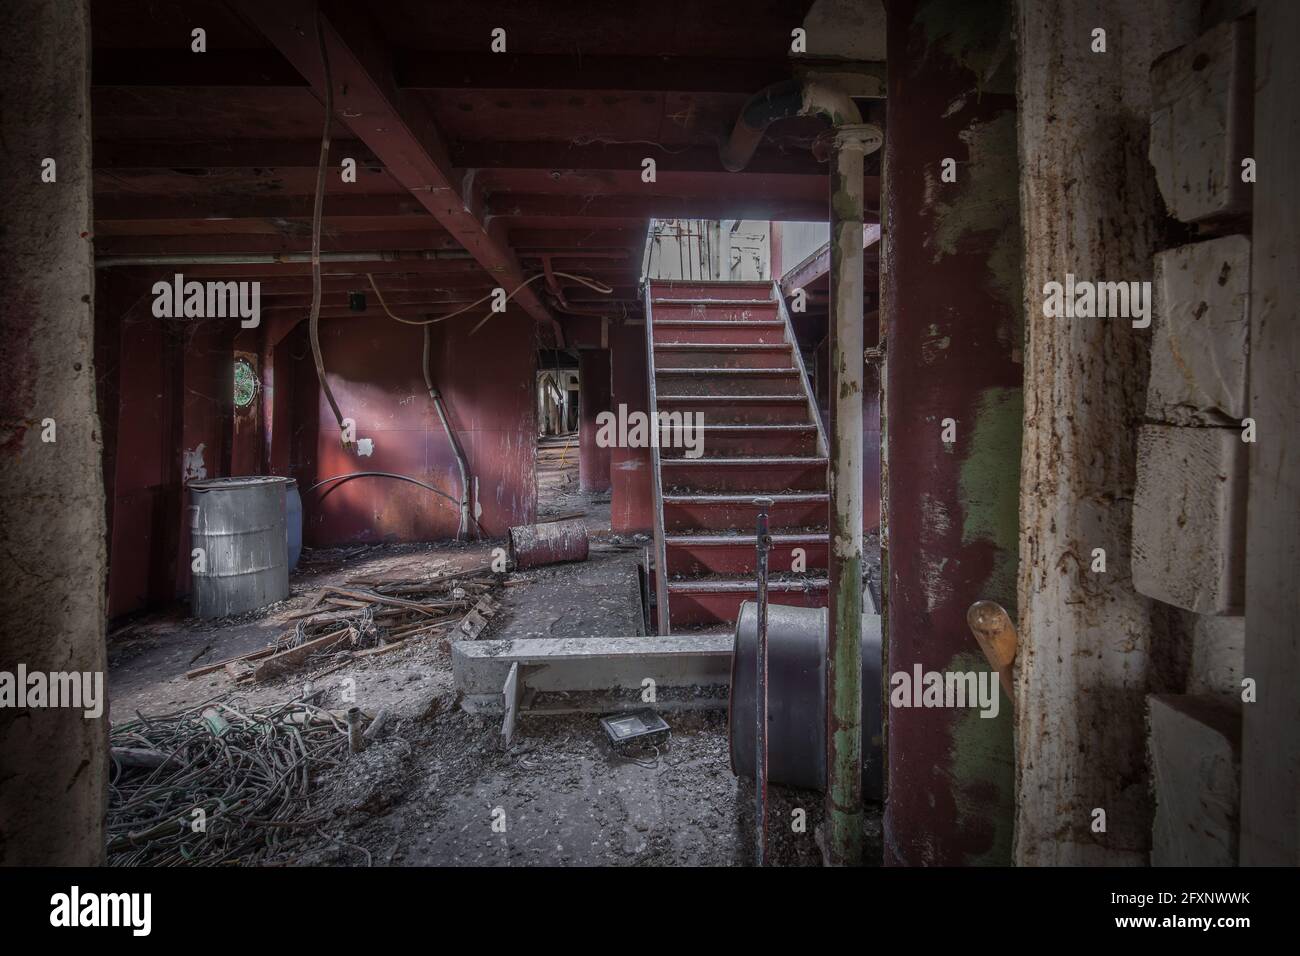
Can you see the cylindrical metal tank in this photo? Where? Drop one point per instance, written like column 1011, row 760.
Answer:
column 240, row 525
column 533, row 545
column 293, row 521
column 796, row 697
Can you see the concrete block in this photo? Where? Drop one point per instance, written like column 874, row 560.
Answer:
column 1218, row 657
column 1189, row 517
column 1200, row 333
column 594, row 674
column 1195, row 750
column 1202, row 119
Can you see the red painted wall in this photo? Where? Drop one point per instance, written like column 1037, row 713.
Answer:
column 594, row 398
column 631, row 479
column 165, row 389
column 374, row 369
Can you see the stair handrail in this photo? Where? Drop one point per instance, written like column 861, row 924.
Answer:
column 661, row 551
column 823, row 449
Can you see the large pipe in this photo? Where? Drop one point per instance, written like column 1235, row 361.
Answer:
column 272, row 258
column 844, row 637
column 462, row 464
column 785, row 100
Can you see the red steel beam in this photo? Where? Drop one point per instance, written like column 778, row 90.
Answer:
column 399, row 129
column 657, row 206
column 432, row 70
column 421, row 69
column 224, row 154
column 269, row 226
column 179, row 67
column 218, row 207
column 353, row 242
column 550, row 155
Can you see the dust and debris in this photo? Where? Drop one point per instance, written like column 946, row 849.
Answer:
column 432, row 785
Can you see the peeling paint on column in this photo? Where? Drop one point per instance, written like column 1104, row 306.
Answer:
column 991, row 505
column 983, row 769
column 952, row 318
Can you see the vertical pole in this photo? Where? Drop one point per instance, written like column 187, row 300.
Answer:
column 52, row 551
column 764, row 543
column 844, row 639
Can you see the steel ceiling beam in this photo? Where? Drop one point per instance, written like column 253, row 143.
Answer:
column 399, row 130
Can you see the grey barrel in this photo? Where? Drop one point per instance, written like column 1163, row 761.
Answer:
column 240, row 523
column 796, row 695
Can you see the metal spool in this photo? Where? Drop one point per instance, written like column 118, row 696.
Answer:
column 240, row 524
column 796, row 662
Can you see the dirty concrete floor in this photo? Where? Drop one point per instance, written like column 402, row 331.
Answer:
column 437, row 788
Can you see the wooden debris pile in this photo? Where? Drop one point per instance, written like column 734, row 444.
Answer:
column 369, row 615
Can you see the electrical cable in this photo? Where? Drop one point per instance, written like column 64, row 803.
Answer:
column 592, row 284
column 313, row 324
column 389, row 474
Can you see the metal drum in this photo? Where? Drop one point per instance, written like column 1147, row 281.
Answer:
column 534, row 545
column 240, row 525
column 796, row 697
column 293, row 519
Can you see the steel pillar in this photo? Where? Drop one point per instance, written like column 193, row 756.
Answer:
column 844, row 647
column 952, row 334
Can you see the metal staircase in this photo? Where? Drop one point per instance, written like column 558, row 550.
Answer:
column 727, row 350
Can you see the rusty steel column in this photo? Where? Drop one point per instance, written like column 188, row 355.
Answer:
column 953, row 338
column 844, row 644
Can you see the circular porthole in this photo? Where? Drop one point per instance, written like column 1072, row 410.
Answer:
column 245, row 383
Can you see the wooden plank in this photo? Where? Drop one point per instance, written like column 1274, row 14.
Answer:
column 221, row 665
column 287, row 660
column 511, row 694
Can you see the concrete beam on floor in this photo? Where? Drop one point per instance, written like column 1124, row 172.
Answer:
column 595, row 675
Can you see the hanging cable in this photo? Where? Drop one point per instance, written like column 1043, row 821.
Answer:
column 313, row 325
column 592, row 284
column 462, row 463
column 389, row 474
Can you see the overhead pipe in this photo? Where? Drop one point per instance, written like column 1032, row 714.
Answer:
column 785, row 100
column 849, row 142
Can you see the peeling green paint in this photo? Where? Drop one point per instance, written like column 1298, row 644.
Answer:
column 989, row 486
column 974, row 34
column 986, row 188
column 983, row 763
